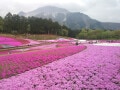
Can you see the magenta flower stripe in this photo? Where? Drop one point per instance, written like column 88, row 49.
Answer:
column 9, row 41
column 18, row 63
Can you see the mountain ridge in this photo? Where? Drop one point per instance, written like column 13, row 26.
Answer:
column 73, row 20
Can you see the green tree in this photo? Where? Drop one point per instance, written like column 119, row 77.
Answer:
column 1, row 24
column 83, row 34
column 117, row 34
column 8, row 23
column 28, row 28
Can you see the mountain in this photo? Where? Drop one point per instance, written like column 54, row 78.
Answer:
column 22, row 13
column 79, row 20
column 111, row 26
column 73, row 20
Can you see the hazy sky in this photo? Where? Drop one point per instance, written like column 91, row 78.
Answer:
column 102, row 10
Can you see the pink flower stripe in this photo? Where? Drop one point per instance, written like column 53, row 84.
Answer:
column 18, row 63
column 9, row 41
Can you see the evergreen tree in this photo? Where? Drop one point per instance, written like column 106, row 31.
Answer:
column 1, row 24
column 8, row 23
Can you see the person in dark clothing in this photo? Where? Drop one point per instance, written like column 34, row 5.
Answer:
column 76, row 43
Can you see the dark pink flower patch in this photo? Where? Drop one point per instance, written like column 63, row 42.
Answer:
column 18, row 63
column 9, row 41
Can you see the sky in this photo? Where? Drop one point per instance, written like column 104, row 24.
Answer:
column 102, row 10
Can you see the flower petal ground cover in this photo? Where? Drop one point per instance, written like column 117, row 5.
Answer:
column 95, row 68
column 18, row 63
column 9, row 41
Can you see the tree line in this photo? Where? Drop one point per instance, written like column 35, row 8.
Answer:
column 15, row 24
column 98, row 34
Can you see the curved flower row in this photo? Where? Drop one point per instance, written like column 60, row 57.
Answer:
column 18, row 63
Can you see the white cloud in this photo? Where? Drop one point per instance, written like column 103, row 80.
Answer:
column 103, row 10
column 106, row 11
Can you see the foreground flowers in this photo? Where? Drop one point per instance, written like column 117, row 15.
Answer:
column 96, row 68
column 18, row 63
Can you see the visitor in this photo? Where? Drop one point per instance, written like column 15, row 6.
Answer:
column 76, row 43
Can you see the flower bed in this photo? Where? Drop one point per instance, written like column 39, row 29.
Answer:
column 15, row 41
column 19, row 63
column 96, row 68
column 9, row 41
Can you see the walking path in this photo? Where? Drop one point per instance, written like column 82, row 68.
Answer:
column 97, row 67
